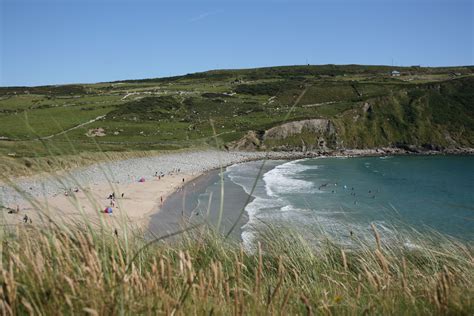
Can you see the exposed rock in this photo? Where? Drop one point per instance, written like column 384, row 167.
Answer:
column 432, row 147
column 96, row 132
column 250, row 141
column 367, row 108
column 449, row 139
column 324, row 135
column 320, row 126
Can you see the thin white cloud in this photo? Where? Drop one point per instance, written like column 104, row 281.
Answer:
column 202, row 16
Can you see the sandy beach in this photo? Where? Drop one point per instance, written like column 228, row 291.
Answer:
column 139, row 201
column 83, row 194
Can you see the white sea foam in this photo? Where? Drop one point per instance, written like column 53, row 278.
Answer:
column 245, row 175
column 254, row 210
column 281, row 179
column 269, row 204
column 288, row 208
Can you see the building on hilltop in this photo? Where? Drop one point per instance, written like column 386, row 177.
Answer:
column 395, row 73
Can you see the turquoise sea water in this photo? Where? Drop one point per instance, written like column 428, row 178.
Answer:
column 343, row 195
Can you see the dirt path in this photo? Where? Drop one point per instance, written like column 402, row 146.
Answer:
column 318, row 104
column 300, row 96
column 298, row 99
column 73, row 128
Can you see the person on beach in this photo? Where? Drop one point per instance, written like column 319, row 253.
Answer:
column 25, row 219
column 122, row 195
column 161, row 198
column 14, row 211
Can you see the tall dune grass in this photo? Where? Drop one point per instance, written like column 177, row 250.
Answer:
column 56, row 270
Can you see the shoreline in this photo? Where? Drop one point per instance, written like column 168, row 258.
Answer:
column 142, row 200
column 198, row 200
column 96, row 182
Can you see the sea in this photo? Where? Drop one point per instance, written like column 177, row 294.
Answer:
column 342, row 197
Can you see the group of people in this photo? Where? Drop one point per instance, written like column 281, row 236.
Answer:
column 26, row 218
column 14, row 211
column 111, row 197
column 161, row 174
column 370, row 193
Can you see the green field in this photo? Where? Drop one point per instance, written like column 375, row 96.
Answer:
column 369, row 107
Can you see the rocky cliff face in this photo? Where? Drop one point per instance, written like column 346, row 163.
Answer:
column 314, row 134
column 318, row 126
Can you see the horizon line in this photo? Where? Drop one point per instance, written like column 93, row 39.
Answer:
column 227, row 69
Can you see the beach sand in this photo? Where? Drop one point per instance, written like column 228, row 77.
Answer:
column 139, row 201
column 42, row 199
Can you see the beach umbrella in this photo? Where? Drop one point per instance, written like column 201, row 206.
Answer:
column 108, row 210
column 142, row 179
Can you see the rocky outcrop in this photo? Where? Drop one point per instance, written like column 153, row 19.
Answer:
column 305, row 135
column 319, row 126
column 250, row 142
column 96, row 132
column 319, row 134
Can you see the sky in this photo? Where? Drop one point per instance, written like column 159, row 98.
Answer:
column 83, row 41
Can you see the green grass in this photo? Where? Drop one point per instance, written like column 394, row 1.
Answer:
column 328, row 93
column 48, row 121
column 177, row 111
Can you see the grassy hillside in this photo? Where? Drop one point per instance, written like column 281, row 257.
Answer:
column 369, row 107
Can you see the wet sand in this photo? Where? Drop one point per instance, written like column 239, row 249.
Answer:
column 191, row 205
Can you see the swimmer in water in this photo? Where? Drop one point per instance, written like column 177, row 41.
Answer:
column 323, row 186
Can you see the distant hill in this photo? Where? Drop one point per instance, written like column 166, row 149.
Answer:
column 329, row 107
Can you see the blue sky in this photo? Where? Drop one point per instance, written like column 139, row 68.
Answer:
column 74, row 41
